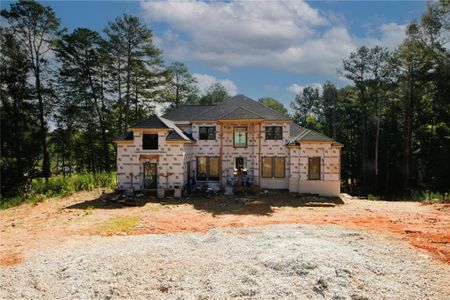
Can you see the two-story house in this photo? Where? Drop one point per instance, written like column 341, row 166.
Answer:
column 239, row 141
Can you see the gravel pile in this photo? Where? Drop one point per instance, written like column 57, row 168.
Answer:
column 281, row 261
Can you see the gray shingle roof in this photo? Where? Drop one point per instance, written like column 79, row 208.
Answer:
column 186, row 112
column 240, row 113
column 235, row 108
column 125, row 137
column 295, row 130
column 223, row 109
column 151, row 122
column 298, row 134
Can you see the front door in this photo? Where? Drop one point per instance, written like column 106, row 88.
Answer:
column 150, row 173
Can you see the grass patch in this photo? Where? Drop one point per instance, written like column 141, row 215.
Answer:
column 154, row 207
column 119, row 225
column 373, row 197
column 40, row 190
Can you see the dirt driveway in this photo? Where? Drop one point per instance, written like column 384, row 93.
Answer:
column 29, row 229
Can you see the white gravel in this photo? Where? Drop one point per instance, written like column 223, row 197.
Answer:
column 281, row 261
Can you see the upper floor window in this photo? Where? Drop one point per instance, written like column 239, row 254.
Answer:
column 274, row 132
column 314, row 168
column 240, row 137
column 150, row 142
column 207, row 133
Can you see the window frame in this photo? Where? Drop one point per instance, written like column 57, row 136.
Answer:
column 272, row 130
column 234, row 136
column 144, row 143
column 208, row 176
column 209, row 130
column 310, row 159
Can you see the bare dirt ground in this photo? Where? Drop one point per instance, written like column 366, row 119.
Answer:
column 266, row 262
column 30, row 228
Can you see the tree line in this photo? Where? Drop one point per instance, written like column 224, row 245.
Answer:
column 394, row 120
column 66, row 95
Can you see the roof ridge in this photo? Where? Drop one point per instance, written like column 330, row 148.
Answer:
column 240, row 107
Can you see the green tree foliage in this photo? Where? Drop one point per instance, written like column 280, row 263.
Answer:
column 215, row 94
column 20, row 147
column 181, row 87
column 307, row 103
column 274, row 104
column 136, row 62
column 394, row 120
column 35, row 27
column 85, row 87
column 82, row 57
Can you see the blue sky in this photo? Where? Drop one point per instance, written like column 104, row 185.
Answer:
column 271, row 48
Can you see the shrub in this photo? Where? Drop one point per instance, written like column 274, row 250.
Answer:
column 60, row 186
column 429, row 196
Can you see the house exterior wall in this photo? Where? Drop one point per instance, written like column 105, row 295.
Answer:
column 329, row 183
column 173, row 158
column 170, row 157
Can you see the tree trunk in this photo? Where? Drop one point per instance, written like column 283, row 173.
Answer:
column 102, row 126
column 43, row 130
column 409, row 109
column 127, row 102
column 377, row 138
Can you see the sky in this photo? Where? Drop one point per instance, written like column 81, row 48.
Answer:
column 256, row 48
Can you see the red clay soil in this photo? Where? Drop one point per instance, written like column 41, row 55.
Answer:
column 35, row 228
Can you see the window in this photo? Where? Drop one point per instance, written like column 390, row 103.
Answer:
column 207, row 133
column 273, row 167
column 240, row 137
column 314, row 168
column 267, row 167
column 150, row 141
column 274, row 132
column 240, row 166
column 279, row 167
column 208, row 168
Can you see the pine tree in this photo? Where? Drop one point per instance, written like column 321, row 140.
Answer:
column 36, row 26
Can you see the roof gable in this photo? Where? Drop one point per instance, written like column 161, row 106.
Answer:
column 153, row 122
column 240, row 113
column 228, row 106
column 299, row 134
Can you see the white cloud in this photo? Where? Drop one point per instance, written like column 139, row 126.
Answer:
column 390, row 36
column 287, row 35
column 297, row 88
column 204, row 81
